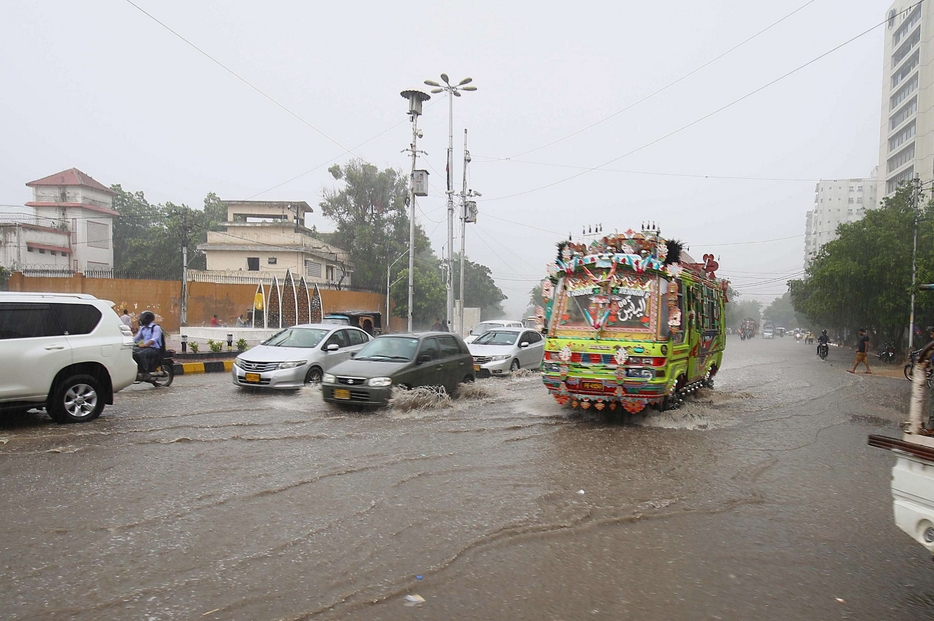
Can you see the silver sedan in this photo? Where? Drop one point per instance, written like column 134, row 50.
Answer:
column 297, row 356
column 505, row 350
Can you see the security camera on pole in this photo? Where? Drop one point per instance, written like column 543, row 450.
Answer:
column 417, row 182
column 453, row 90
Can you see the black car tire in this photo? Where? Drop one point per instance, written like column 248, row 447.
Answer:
column 313, row 376
column 78, row 399
column 514, row 366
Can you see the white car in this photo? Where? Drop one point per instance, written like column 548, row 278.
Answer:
column 506, row 350
column 485, row 326
column 297, row 356
column 68, row 353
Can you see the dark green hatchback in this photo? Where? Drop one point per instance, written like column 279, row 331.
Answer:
column 404, row 360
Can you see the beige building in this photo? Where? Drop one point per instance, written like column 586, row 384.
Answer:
column 71, row 227
column 270, row 237
column 836, row 202
column 907, row 131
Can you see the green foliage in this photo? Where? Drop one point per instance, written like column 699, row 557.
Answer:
column 215, row 346
column 535, row 300
column 4, row 277
column 241, row 345
column 429, row 298
column 371, row 221
column 863, row 278
column 480, row 290
column 737, row 310
column 148, row 238
column 781, row 312
column 193, row 347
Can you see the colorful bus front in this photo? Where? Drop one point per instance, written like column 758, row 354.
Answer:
column 629, row 326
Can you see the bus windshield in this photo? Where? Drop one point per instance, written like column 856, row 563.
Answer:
column 626, row 305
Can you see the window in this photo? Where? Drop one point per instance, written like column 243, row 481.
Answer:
column 904, row 92
column 449, row 346
column 271, row 260
column 252, row 264
column 535, row 337
column 902, row 115
column 906, row 48
column 340, row 338
column 30, row 249
column 76, row 318
column 25, row 321
column 312, row 269
column 330, row 273
column 906, row 68
column 98, row 235
column 901, row 158
column 357, row 337
column 430, row 348
column 903, row 136
column 41, row 250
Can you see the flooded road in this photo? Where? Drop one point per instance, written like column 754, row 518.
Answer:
column 757, row 500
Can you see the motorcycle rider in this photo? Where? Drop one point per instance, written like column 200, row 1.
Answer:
column 823, row 339
column 148, row 345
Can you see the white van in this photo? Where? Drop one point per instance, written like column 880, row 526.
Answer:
column 68, row 353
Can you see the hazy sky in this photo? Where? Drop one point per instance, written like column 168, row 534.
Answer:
column 100, row 86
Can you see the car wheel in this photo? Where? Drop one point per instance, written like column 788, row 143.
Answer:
column 468, row 379
column 514, row 366
column 78, row 399
column 313, row 376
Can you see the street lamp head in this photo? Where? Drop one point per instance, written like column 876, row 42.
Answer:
column 469, row 88
column 444, row 78
column 456, row 93
column 465, row 81
column 431, row 83
column 437, row 90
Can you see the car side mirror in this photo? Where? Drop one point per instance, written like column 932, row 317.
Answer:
column 423, row 358
column 332, row 347
column 524, row 344
column 353, row 354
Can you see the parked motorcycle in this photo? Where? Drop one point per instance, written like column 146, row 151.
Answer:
column 910, row 367
column 822, row 350
column 162, row 375
column 886, row 354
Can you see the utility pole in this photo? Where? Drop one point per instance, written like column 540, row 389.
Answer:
column 468, row 214
column 916, row 206
column 453, row 90
column 415, row 99
column 184, row 234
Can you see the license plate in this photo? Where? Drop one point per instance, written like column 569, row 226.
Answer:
column 251, row 378
column 591, row 385
column 341, row 393
column 476, row 367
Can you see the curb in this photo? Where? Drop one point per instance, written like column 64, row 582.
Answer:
column 209, row 366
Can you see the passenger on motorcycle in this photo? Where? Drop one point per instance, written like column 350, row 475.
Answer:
column 823, row 339
column 148, row 345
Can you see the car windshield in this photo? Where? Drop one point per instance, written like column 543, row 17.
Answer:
column 297, row 337
column 389, row 348
column 497, row 337
column 483, row 328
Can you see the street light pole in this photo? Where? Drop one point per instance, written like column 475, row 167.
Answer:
column 415, row 109
column 453, row 90
column 916, row 204
column 466, row 214
column 388, row 286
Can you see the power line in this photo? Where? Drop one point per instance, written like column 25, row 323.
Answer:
column 696, row 121
column 238, row 76
column 667, row 86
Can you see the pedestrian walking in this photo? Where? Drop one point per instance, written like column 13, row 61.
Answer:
column 444, row 326
column 126, row 319
column 862, row 347
column 436, row 326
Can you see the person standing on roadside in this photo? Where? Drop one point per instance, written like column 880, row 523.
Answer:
column 862, row 348
column 126, row 319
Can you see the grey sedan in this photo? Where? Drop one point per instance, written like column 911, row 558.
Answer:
column 297, row 356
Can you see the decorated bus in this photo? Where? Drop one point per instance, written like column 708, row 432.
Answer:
column 631, row 321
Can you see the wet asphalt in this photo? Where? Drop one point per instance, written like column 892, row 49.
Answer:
column 757, row 500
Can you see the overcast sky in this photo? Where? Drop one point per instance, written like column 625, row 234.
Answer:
column 100, row 86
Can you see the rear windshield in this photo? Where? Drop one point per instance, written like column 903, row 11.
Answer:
column 483, row 328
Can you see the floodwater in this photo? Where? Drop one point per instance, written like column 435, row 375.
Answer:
column 757, row 500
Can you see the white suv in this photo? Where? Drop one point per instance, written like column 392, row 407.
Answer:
column 67, row 352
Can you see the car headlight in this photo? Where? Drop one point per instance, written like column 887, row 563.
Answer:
column 379, row 381
column 238, row 362
column 327, row 378
column 501, row 357
column 291, row 364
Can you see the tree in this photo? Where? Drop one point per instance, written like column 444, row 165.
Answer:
column 430, row 298
column 371, row 221
column 781, row 312
column 738, row 310
column 535, row 300
column 863, row 278
column 480, row 290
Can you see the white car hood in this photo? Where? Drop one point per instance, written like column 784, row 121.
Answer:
column 264, row 353
column 491, row 350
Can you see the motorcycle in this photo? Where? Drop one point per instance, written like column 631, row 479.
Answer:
column 163, row 374
column 886, row 354
column 822, row 350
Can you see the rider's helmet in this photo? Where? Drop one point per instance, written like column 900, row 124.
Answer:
column 146, row 318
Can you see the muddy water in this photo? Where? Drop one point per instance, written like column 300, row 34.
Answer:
column 759, row 499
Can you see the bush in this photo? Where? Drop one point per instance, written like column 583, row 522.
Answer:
column 216, row 346
column 241, row 345
column 194, row 347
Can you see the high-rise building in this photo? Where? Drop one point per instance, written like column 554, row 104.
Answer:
column 836, row 202
column 906, row 145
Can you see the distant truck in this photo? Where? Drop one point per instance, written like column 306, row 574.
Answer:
column 749, row 328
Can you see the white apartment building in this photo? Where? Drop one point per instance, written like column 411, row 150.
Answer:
column 836, row 202
column 70, row 229
column 906, row 142
column 269, row 237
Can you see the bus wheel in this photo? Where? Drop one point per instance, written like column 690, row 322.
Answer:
column 674, row 399
column 708, row 379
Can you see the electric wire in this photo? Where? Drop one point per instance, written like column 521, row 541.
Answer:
column 667, row 86
column 698, row 120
